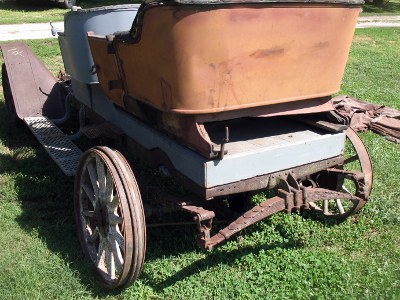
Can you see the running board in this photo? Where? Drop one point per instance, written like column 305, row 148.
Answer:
column 61, row 149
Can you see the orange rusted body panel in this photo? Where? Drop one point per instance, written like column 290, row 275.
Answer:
column 193, row 59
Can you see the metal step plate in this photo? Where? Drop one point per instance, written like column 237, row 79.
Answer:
column 61, row 149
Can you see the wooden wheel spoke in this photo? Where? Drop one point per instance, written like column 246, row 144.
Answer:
column 115, row 235
column 109, row 214
column 109, row 262
column 339, row 205
column 109, row 186
column 345, row 190
column 90, row 194
column 357, row 170
column 101, row 178
column 117, row 255
column 113, row 204
column 93, row 178
column 101, row 254
column 114, row 219
column 93, row 235
column 88, row 213
column 326, row 206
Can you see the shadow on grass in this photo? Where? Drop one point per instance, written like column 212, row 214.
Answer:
column 45, row 196
column 213, row 259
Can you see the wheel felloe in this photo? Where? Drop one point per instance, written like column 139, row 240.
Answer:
column 109, row 217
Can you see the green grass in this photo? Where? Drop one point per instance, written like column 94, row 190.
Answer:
column 42, row 11
column 373, row 68
column 283, row 257
column 12, row 13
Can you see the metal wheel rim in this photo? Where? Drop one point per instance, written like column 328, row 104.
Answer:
column 364, row 160
column 103, row 218
column 137, row 214
column 130, row 211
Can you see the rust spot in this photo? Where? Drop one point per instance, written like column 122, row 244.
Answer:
column 166, row 94
column 322, row 45
column 267, row 52
column 211, row 97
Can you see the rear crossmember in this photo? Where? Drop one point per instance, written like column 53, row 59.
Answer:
column 291, row 197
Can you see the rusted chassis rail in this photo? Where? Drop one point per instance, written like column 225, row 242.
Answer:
column 293, row 196
column 294, row 199
column 297, row 189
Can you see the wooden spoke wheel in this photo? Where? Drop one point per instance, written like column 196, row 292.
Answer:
column 356, row 159
column 8, row 97
column 109, row 216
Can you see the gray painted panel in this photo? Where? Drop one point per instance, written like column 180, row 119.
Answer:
column 305, row 146
column 73, row 41
column 185, row 160
column 81, row 92
column 272, row 159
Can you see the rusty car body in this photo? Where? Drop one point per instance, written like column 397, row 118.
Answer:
column 229, row 98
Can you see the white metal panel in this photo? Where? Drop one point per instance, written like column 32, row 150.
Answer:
column 279, row 157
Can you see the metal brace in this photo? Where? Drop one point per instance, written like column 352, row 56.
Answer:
column 224, row 141
column 204, row 227
column 204, row 219
column 291, row 192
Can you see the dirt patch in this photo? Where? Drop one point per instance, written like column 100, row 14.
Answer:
column 359, row 39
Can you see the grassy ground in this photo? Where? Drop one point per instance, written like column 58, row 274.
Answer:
column 13, row 13
column 284, row 257
column 373, row 67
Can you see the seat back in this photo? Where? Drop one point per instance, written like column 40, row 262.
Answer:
column 74, row 46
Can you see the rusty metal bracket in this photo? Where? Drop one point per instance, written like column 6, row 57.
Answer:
column 224, row 141
column 204, row 219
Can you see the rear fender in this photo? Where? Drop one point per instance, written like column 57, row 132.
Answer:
column 35, row 91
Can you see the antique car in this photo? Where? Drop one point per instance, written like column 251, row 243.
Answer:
column 228, row 98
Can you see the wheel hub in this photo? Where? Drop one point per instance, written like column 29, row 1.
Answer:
column 101, row 219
